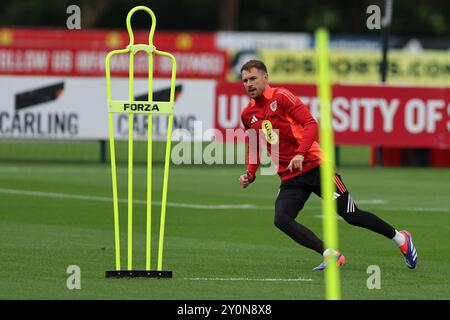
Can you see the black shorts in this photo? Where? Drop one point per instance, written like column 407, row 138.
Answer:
column 310, row 181
column 297, row 190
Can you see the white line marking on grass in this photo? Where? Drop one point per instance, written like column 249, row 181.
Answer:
column 54, row 170
column 407, row 210
column 184, row 205
column 321, row 216
column 374, row 201
column 249, row 279
column 137, row 201
column 419, row 209
column 106, row 170
column 54, row 195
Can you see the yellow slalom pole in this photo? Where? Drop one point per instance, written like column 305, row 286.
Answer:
column 130, row 166
column 149, row 164
column 332, row 279
column 114, row 186
column 113, row 160
column 167, row 160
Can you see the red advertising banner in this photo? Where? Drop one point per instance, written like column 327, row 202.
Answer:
column 89, row 62
column 389, row 116
column 41, row 51
column 104, row 39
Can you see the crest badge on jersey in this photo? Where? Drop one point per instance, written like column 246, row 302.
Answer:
column 273, row 106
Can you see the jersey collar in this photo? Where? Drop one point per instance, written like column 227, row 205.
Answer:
column 267, row 93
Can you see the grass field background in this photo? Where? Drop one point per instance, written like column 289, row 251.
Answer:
column 55, row 215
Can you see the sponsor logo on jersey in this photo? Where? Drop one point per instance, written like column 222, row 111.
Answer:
column 271, row 135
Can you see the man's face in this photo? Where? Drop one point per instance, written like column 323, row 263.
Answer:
column 255, row 81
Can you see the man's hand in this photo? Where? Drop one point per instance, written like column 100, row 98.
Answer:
column 296, row 163
column 246, row 179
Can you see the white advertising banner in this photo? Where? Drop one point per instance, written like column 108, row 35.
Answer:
column 232, row 40
column 76, row 108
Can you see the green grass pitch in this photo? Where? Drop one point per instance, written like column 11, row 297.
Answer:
column 56, row 215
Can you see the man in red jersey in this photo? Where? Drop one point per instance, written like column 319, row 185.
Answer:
column 287, row 124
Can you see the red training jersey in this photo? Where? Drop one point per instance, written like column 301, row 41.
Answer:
column 280, row 118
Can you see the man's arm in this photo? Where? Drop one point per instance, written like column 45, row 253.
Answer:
column 252, row 156
column 296, row 110
column 300, row 114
